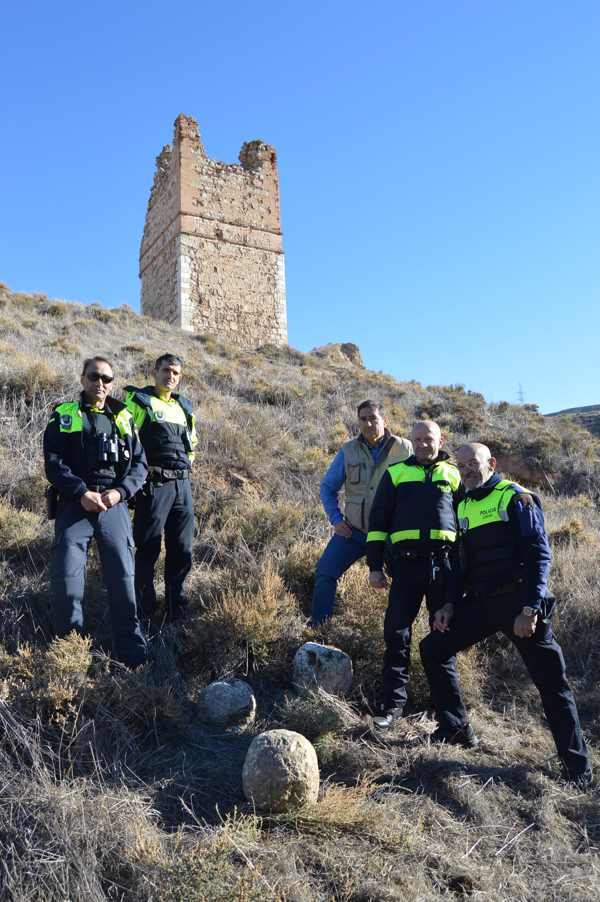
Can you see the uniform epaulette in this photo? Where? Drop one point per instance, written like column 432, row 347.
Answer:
column 140, row 396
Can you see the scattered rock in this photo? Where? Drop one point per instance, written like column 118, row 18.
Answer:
column 322, row 665
column 228, row 703
column 281, row 771
column 343, row 352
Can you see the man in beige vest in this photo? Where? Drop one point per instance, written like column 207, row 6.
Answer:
column 357, row 467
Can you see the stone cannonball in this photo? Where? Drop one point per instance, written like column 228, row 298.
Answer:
column 281, row 771
column 228, row 703
column 324, row 666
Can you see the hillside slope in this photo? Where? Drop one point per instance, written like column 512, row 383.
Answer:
column 114, row 789
column 589, row 416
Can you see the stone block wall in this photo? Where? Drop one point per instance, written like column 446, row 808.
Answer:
column 211, row 258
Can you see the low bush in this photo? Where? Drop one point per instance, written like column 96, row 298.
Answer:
column 245, row 630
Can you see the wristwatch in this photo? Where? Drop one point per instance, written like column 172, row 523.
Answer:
column 528, row 611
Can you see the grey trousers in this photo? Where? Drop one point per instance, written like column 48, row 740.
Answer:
column 73, row 532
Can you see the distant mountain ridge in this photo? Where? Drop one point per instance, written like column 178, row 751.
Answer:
column 589, row 416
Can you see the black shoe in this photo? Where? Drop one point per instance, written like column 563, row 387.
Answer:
column 387, row 718
column 466, row 736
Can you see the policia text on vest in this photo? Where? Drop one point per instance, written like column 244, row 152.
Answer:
column 357, row 469
column 167, row 431
column 91, row 453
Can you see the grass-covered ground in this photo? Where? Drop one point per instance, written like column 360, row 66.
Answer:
column 110, row 785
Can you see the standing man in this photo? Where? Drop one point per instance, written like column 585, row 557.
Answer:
column 414, row 510
column 506, row 564
column 167, row 430
column 357, row 467
column 94, row 462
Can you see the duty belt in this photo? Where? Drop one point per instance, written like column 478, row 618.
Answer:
column 407, row 554
column 481, row 592
column 160, row 473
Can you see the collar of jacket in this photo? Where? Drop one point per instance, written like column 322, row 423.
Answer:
column 483, row 490
column 380, row 444
column 111, row 405
column 152, row 391
column 413, row 462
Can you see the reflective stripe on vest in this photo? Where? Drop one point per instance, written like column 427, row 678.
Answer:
column 439, row 535
column 440, row 472
column 123, row 422
column 70, row 418
column 473, row 513
column 156, row 410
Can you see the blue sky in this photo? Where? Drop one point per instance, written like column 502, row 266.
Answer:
column 439, row 164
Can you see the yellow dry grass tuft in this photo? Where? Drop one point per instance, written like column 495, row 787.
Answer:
column 18, row 528
column 246, row 629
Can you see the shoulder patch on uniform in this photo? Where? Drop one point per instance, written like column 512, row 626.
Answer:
column 66, row 420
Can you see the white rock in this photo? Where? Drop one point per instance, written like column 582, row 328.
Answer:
column 228, row 703
column 324, row 666
column 281, row 771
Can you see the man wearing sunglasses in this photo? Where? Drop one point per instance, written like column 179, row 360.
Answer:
column 94, row 462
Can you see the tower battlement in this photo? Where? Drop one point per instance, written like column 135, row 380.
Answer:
column 211, row 258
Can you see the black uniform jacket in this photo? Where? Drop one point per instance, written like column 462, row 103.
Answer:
column 66, row 465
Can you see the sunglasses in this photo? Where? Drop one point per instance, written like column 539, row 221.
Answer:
column 95, row 377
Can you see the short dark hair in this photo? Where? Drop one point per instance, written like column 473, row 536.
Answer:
column 376, row 405
column 168, row 358
column 95, row 359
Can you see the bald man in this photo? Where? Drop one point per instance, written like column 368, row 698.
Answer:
column 413, row 515
column 506, row 561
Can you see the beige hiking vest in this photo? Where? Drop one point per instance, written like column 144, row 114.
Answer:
column 363, row 475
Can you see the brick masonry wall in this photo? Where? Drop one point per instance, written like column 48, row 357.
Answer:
column 212, row 255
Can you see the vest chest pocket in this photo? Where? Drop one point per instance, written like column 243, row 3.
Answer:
column 354, row 476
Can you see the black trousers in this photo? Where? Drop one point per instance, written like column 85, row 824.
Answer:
column 413, row 577
column 74, row 528
column 477, row 619
column 163, row 507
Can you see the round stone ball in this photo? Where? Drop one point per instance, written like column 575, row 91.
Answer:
column 322, row 665
column 280, row 772
column 228, row 703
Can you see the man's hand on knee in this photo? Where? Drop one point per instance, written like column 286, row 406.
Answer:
column 92, row 502
column 524, row 625
column 342, row 529
column 111, row 497
column 377, row 579
column 442, row 618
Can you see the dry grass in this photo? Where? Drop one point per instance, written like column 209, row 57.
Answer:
column 112, row 788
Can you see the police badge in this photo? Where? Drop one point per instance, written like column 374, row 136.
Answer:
column 65, row 420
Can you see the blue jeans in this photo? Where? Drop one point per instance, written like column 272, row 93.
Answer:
column 339, row 555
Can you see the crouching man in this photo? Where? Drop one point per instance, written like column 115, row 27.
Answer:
column 506, row 560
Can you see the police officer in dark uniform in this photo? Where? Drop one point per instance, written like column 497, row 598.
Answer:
column 506, row 560
column 413, row 511
column 167, row 430
column 94, row 462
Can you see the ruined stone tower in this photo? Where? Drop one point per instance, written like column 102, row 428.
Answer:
column 211, row 258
